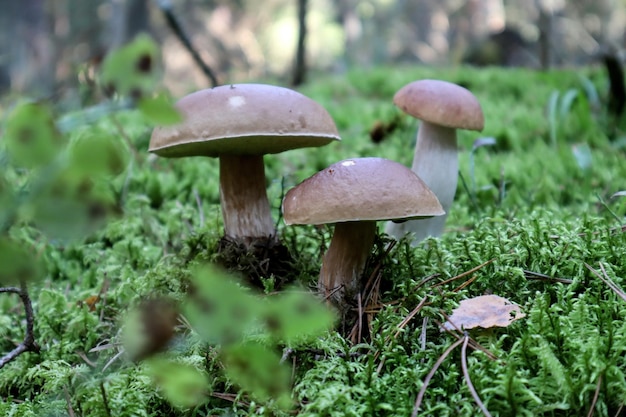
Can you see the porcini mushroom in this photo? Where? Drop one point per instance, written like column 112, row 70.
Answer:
column 354, row 194
column 442, row 108
column 238, row 124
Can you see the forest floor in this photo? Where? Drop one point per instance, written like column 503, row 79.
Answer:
column 538, row 219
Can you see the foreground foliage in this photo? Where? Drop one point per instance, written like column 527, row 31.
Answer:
column 532, row 210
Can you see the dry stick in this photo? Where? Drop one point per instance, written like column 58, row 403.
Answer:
column 612, row 230
column 402, row 324
column 619, row 410
column 172, row 22
column 468, row 381
column 476, row 268
column 68, row 399
column 124, row 135
column 373, row 282
column 607, row 280
column 420, row 395
column 595, row 397
column 543, row 277
column 474, row 344
column 28, row 344
column 465, row 284
column 105, row 399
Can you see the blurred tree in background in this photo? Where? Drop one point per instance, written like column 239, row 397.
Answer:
column 44, row 44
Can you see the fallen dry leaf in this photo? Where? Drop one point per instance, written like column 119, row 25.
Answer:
column 484, row 311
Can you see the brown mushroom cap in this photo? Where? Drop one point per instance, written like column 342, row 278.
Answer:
column 441, row 103
column 360, row 189
column 244, row 119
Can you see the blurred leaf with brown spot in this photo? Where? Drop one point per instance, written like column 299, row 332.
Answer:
column 95, row 153
column 129, row 70
column 297, row 317
column 31, row 138
column 149, row 327
column 218, row 308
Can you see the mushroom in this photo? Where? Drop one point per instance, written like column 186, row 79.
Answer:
column 354, row 194
column 442, row 108
column 239, row 124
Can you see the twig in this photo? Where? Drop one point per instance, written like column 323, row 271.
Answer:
column 476, row 268
column 68, row 399
column 28, row 344
column 544, row 277
column 230, row 397
column 172, row 22
column 465, row 283
column 607, row 280
column 124, row 135
column 595, row 397
column 402, row 325
column 420, row 395
column 360, row 319
column 473, row 343
column 299, row 71
column 468, row 381
column 105, row 399
column 612, row 230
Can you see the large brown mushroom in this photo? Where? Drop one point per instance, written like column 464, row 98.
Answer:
column 239, row 124
column 354, row 194
column 442, row 108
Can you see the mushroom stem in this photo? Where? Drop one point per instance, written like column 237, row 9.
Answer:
column 245, row 207
column 436, row 163
column 345, row 259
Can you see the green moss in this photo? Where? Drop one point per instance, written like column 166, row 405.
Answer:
column 528, row 207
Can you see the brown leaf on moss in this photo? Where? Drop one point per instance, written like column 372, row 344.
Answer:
column 484, row 311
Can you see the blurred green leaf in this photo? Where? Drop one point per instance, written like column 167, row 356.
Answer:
column 95, row 153
column 7, row 199
column 294, row 317
column 129, row 70
column 17, row 263
column 258, row 370
column 219, row 309
column 183, row 385
column 159, row 110
column 72, row 205
column 31, row 138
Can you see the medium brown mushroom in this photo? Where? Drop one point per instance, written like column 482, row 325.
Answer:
column 442, row 108
column 354, row 194
column 239, row 124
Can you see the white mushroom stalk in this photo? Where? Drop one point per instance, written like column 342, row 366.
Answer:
column 436, row 162
column 442, row 108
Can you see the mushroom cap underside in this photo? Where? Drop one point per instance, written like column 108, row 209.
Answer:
column 360, row 189
column 442, row 103
column 244, row 119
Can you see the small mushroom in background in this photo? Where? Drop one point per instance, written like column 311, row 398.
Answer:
column 354, row 194
column 239, row 124
column 442, row 108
